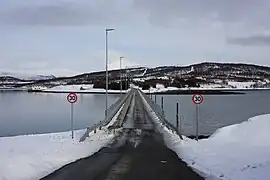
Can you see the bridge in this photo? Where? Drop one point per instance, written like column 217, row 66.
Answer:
column 138, row 150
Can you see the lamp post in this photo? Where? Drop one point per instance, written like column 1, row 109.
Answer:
column 106, row 56
column 121, row 74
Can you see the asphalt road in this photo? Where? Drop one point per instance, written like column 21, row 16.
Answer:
column 138, row 153
column 135, row 155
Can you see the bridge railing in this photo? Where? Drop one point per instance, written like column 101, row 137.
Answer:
column 114, row 108
column 111, row 112
column 160, row 113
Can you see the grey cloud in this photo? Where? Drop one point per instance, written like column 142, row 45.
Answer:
column 68, row 14
column 251, row 41
column 247, row 11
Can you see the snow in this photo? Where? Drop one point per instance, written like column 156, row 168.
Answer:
column 32, row 157
column 236, row 152
column 35, row 156
column 76, row 88
column 71, row 87
column 160, row 86
column 26, row 76
column 240, row 84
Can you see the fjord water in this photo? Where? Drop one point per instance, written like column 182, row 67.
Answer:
column 28, row 113
column 216, row 110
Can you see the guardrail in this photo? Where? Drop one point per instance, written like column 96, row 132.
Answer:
column 124, row 111
column 112, row 110
column 160, row 113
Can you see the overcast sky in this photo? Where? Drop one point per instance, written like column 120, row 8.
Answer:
column 68, row 36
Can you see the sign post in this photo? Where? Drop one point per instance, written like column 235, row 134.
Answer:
column 72, row 98
column 197, row 99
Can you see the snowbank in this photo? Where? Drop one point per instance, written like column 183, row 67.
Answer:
column 32, row 157
column 236, row 152
column 35, row 156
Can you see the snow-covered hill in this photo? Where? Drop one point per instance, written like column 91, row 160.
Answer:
column 26, row 77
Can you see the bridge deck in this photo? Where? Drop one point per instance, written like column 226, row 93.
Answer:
column 138, row 153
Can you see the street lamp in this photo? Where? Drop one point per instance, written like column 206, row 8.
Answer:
column 106, row 56
column 121, row 74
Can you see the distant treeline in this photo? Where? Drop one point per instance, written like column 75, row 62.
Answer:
column 180, row 83
column 112, row 85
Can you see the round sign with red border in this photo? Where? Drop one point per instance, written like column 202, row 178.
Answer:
column 72, row 98
column 197, row 99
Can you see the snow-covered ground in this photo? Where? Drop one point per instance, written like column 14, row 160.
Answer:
column 71, row 87
column 88, row 88
column 31, row 157
column 236, row 152
column 77, row 88
column 241, row 84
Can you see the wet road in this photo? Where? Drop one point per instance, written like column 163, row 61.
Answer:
column 137, row 153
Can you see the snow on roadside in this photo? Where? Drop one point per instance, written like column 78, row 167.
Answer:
column 236, row 152
column 32, row 157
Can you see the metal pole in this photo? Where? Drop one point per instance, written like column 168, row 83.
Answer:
column 72, row 123
column 155, row 99
column 106, row 54
column 197, row 122
column 121, row 75
column 126, row 79
column 162, row 103
column 107, row 79
column 177, row 116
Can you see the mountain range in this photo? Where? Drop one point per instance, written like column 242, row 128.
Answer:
column 25, row 77
column 207, row 71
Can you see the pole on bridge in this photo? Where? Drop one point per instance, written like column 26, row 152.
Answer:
column 107, row 74
column 162, row 105
column 177, row 116
column 155, row 99
column 121, row 75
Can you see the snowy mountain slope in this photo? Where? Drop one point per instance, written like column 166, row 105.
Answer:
column 27, row 77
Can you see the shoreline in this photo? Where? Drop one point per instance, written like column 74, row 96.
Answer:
column 218, row 91
column 169, row 92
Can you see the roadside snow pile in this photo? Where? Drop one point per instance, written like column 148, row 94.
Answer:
column 236, row 152
column 32, row 157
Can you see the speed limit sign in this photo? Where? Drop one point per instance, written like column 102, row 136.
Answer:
column 72, row 98
column 197, row 99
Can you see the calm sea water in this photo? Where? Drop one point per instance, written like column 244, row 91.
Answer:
column 27, row 113
column 216, row 111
